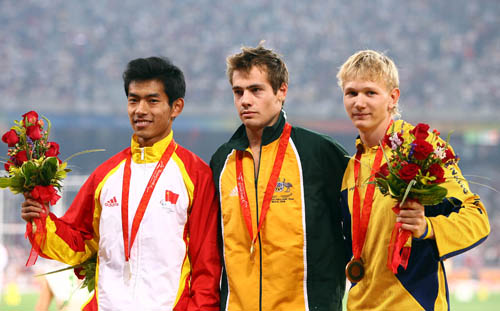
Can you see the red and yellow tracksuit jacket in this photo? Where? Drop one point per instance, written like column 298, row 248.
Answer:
column 459, row 223
column 174, row 261
column 300, row 255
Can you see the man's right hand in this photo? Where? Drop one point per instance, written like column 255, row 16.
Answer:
column 31, row 209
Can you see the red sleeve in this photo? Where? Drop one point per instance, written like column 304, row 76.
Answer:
column 203, row 251
column 76, row 227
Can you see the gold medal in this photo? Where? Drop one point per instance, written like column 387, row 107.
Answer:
column 355, row 270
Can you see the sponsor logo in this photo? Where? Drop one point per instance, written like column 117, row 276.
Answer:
column 234, row 192
column 111, row 202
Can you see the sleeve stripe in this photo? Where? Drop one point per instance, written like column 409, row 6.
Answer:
column 463, row 250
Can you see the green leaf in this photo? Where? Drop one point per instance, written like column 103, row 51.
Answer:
column 17, row 184
column 5, row 182
column 48, row 170
column 30, row 171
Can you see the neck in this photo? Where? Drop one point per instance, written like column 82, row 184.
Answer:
column 373, row 137
column 254, row 137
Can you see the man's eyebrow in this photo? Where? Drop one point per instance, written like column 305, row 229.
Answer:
column 251, row 86
column 147, row 95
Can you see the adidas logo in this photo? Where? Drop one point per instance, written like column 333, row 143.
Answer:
column 112, row 202
column 234, row 192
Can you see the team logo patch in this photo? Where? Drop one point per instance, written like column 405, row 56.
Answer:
column 169, row 201
column 283, row 192
column 111, row 202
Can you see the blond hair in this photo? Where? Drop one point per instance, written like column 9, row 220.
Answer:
column 372, row 66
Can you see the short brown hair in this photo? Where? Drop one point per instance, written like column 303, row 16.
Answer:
column 265, row 59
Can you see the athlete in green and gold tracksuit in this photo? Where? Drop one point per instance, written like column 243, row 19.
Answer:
column 299, row 256
column 279, row 191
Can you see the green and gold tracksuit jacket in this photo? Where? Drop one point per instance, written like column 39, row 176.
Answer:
column 300, row 252
column 459, row 223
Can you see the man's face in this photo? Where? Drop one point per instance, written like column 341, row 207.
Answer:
column 368, row 103
column 149, row 112
column 255, row 100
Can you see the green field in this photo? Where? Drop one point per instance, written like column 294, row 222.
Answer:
column 490, row 303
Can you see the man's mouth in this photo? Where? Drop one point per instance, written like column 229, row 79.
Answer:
column 142, row 123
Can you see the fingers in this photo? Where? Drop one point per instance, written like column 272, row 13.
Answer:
column 31, row 209
column 413, row 220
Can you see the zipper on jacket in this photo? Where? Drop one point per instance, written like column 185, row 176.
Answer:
column 257, row 218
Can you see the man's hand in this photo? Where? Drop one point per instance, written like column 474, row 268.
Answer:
column 31, row 209
column 412, row 217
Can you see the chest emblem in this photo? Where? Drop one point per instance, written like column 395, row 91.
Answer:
column 283, row 192
column 169, row 201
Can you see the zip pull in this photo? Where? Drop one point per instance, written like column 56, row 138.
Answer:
column 142, row 154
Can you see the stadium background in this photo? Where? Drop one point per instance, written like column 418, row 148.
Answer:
column 64, row 59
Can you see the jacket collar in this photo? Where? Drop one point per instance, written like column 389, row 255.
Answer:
column 398, row 125
column 239, row 140
column 149, row 154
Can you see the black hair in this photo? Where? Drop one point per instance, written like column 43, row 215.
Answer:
column 156, row 68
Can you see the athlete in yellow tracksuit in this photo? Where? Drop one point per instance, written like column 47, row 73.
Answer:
column 459, row 223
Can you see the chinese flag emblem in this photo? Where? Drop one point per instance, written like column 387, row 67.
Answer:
column 171, row 196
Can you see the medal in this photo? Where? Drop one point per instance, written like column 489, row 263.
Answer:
column 355, row 270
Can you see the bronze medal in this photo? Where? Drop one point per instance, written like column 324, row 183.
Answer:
column 355, row 270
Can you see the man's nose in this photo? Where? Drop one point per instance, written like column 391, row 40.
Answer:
column 246, row 99
column 359, row 102
column 142, row 107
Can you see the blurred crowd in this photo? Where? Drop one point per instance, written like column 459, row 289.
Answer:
column 69, row 55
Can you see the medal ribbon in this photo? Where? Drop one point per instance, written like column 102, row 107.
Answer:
column 271, row 185
column 360, row 220
column 139, row 214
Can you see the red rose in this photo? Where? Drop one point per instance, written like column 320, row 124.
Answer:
column 31, row 117
column 21, row 157
column 422, row 149
column 45, row 194
column 79, row 272
column 408, row 171
column 448, row 156
column 34, row 132
column 437, row 171
column 53, row 150
column 7, row 165
column 420, row 131
column 10, row 138
column 383, row 171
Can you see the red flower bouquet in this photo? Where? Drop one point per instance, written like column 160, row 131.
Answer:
column 34, row 169
column 413, row 171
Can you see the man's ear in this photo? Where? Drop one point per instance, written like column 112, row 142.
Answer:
column 282, row 92
column 395, row 93
column 177, row 107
